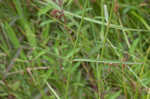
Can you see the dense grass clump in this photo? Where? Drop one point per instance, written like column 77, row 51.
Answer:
column 74, row 49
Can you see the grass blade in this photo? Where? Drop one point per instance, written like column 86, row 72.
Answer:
column 12, row 35
column 107, row 62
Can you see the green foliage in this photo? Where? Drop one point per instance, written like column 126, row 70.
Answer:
column 76, row 49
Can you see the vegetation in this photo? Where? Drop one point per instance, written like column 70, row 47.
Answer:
column 74, row 49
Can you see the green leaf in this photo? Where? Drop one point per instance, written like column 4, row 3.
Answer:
column 44, row 10
column 12, row 35
column 25, row 24
column 113, row 95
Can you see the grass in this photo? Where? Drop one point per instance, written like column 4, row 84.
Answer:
column 85, row 49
